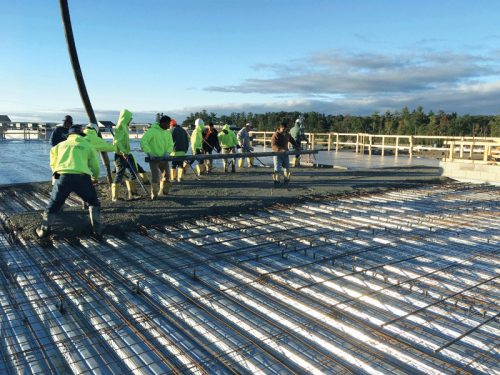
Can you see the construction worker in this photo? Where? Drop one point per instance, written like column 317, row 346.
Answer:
column 197, row 143
column 210, row 142
column 228, row 143
column 61, row 131
column 279, row 142
column 74, row 164
column 123, row 159
column 100, row 145
column 244, row 143
column 157, row 142
column 180, row 139
column 297, row 133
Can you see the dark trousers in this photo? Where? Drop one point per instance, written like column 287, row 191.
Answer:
column 80, row 184
column 121, row 165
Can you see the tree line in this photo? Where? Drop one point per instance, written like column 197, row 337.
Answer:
column 404, row 122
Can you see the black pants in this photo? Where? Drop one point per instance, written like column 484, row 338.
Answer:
column 121, row 165
column 81, row 184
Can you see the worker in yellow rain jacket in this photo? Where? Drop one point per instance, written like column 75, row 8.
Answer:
column 99, row 144
column 197, row 143
column 74, row 164
column 228, row 142
column 123, row 158
column 157, row 142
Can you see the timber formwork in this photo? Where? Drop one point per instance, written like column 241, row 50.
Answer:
column 405, row 281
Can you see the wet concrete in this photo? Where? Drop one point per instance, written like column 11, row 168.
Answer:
column 215, row 194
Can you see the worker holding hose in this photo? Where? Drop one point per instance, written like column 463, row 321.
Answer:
column 228, row 143
column 244, row 142
column 74, row 164
column 123, row 159
column 157, row 142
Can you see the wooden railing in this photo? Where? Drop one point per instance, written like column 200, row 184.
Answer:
column 466, row 147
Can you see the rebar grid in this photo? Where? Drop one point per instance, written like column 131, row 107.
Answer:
column 403, row 281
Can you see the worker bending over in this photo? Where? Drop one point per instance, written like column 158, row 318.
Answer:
column 123, row 158
column 244, row 142
column 197, row 144
column 74, row 163
column 279, row 142
column 210, row 142
column 91, row 135
column 228, row 143
column 180, row 139
column 157, row 142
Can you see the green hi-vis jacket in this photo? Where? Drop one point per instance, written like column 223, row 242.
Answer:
column 99, row 144
column 197, row 138
column 121, row 139
column 74, row 156
column 157, row 142
column 227, row 140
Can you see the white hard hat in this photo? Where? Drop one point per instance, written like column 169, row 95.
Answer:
column 199, row 121
column 298, row 121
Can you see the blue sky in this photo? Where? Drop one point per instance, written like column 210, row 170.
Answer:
column 178, row 57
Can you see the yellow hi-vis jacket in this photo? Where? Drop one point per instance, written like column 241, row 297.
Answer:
column 227, row 140
column 157, row 141
column 121, row 139
column 74, row 156
column 99, row 144
column 197, row 138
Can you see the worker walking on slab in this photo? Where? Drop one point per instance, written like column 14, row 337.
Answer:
column 60, row 133
column 74, row 164
column 197, row 143
column 244, row 142
column 210, row 142
column 297, row 133
column 157, row 142
column 228, row 142
column 180, row 138
column 123, row 158
column 279, row 142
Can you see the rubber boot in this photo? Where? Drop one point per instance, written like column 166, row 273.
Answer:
column 250, row 162
column 226, row 165
column 180, row 172
column 164, row 188
column 185, row 166
column 294, row 162
column 286, row 176
column 144, row 177
column 114, row 192
column 155, row 187
column 276, row 178
column 132, row 189
column 200, row 168
column 95, row 220
column 173, row 175
column 241, row 162
column 233, row 167
column 44, row 228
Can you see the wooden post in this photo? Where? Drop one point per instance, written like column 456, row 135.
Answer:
column 486, row 152
column 329, row 141
column 452, row 150
column 396, row 152
column 357, row 143
column 370, row 139
column 264, row 139
column 313, row 140
column 383, row 145
column 471, row 151
column 337, row 144
column 411, row 146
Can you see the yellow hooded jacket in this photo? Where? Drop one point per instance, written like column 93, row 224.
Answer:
column 121, row 139
column 99, row 144
column 157, row 141
column 74, row 156
column 227, row 140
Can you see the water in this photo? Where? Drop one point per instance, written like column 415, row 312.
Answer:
column 29, row 161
